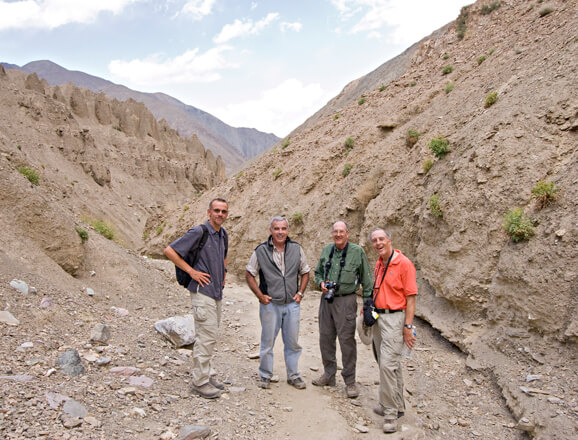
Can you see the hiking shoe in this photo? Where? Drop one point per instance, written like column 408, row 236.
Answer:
column 351, row 390
column 206, row 390
column 389, row 425
column 380, row 412
column 297, row 383
column 213, row 381
column 323, row 381
column 264, row 383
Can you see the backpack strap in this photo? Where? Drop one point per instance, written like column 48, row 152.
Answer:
column 201, row 244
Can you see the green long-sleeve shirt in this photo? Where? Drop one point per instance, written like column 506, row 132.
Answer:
column 355, row 272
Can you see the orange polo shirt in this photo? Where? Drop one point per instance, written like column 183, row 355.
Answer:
column 396, row 285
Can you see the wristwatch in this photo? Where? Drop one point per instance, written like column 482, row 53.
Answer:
column 300, row 294
column 408, row 326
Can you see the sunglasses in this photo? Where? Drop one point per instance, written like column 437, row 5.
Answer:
column 220, row 211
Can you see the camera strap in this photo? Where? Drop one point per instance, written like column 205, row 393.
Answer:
column 376, row 288
column 341, row 263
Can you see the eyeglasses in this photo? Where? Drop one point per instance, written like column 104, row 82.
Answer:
column 220, row 211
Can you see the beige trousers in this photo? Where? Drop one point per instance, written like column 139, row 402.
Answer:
column 388, row 342
column 207, row 314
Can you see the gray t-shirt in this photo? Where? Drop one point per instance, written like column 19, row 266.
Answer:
column 211, row 258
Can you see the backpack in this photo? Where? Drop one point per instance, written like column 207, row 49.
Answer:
column 183, row 278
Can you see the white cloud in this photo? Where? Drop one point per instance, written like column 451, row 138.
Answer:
column 411, row 20
column 189, row 67
column 278, row 110
column 240, row 28
column 50, row 14
column 198, row 9
column 286, row 26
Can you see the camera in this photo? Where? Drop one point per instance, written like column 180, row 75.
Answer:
column 331, row 287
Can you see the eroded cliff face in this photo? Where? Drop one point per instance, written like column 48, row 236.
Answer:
column 96, row 159
column 511, row 306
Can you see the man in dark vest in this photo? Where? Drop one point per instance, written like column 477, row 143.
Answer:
column 206, row 287
column 279, row 262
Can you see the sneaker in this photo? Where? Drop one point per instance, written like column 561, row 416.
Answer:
column 389, row 425
column 264, row 383
column 323, row 381
column 351, row 390
column 297, row 383
column 213, row 381
column 206, row 390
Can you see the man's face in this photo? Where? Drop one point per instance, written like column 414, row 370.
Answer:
column 218, row 213
column 381, row 244
column 340, row 235
column 279, row 230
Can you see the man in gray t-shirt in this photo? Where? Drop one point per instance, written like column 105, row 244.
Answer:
column 206, row 287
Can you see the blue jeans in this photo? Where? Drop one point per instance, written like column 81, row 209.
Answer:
column 285, row 317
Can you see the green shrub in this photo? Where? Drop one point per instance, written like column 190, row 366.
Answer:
column 159, row 229
column 117, row 128
column 491, row 99
column 145, row 235
column 545, row 11
column 461, row 25
column 102, row 228
column 427, row 165
column 336, row 116
column 349, row 143
column 186, row 208
column 412, row 84
column 545, row 193
column 277, row 173
column 492, row 50
column 19, row 147
column 481, row 59
column 30, row 173
column 297, row 218
column 382, row 87
column 285, row 143
column 434, row 206
column 439, row 147
column 346, row 169
column 446, row 56
column 487, row 9
column 82, row 233
column 411, row 137
column 447, row 69
column 449, row 87
column 361, row 100
column 518, row 226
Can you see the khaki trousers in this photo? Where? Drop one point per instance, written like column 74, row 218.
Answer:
column 388, row 343
column 207, row 314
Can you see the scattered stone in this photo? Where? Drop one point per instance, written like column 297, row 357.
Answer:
column 275, row 378
column 50, row 372
column 362, row 429
column 74, row 408
column 33, row 290
column 127, row 391
column 524, row 424
column 178, row 330
column 314, row 368
column 18, row 378
column 554, row 400
column 167, row 435
column 93, row 421
column 90, row 357
column 70, row 363
column 20, row 285
column 463, row 422
column 124, row 371
column 92, row 273
column 533, row 377
column 119, row 311
column 190, row 432
column 102, row 361
column 27, row 345
column 89, row 291
column 70, row 422
column 453, row 421
column 45, row 302
column 54, row 400
column 288, row 409
column 7, row 318
column 255, row 355
column 560, row 233
column 468, row 383
column 139, row 412
column 100, row 334
column 140, row 381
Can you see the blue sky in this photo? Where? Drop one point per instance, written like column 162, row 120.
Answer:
column 263, row 64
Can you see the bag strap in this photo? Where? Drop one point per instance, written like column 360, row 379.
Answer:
column 376, row 289
column 201, row 244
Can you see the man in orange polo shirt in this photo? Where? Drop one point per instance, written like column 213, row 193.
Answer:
column 395, row 290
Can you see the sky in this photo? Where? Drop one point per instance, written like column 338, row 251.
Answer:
column 266, row 64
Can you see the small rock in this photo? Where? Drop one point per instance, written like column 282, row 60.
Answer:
column 92, row 273
column 139, row 412
column 127, row 391
column 100, row 334
column 102, row 361
column 7, row 318
column 93, row 421
column 275, row 379
column 533, row 377
column 288, row 409
column 74, row 408
column 560, row 233
column 89, row 291
column 119, row 311
column 453, row 421
column 463, row 422
column 50, row 372
column 178, row 330
column 18, row 378
column 140, row 381
column 362, row 429
column 90, row 357
column 468, row 383
column 524, row 424
column 237, row 389
column 167, row 435
column 124, row 371
column 314, row 368
column 554, row 400
column 70, row 422
column 70, row 363
column 45, row 302
column 255, row 355
column 33, row 290
column 20, row 285
column 27, row 345
column 190, row 432
column 54, row 400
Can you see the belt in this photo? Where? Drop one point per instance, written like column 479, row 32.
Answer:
column 388, row 310
column 344, row 294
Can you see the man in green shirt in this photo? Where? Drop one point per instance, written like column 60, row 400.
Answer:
column 346, row 265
